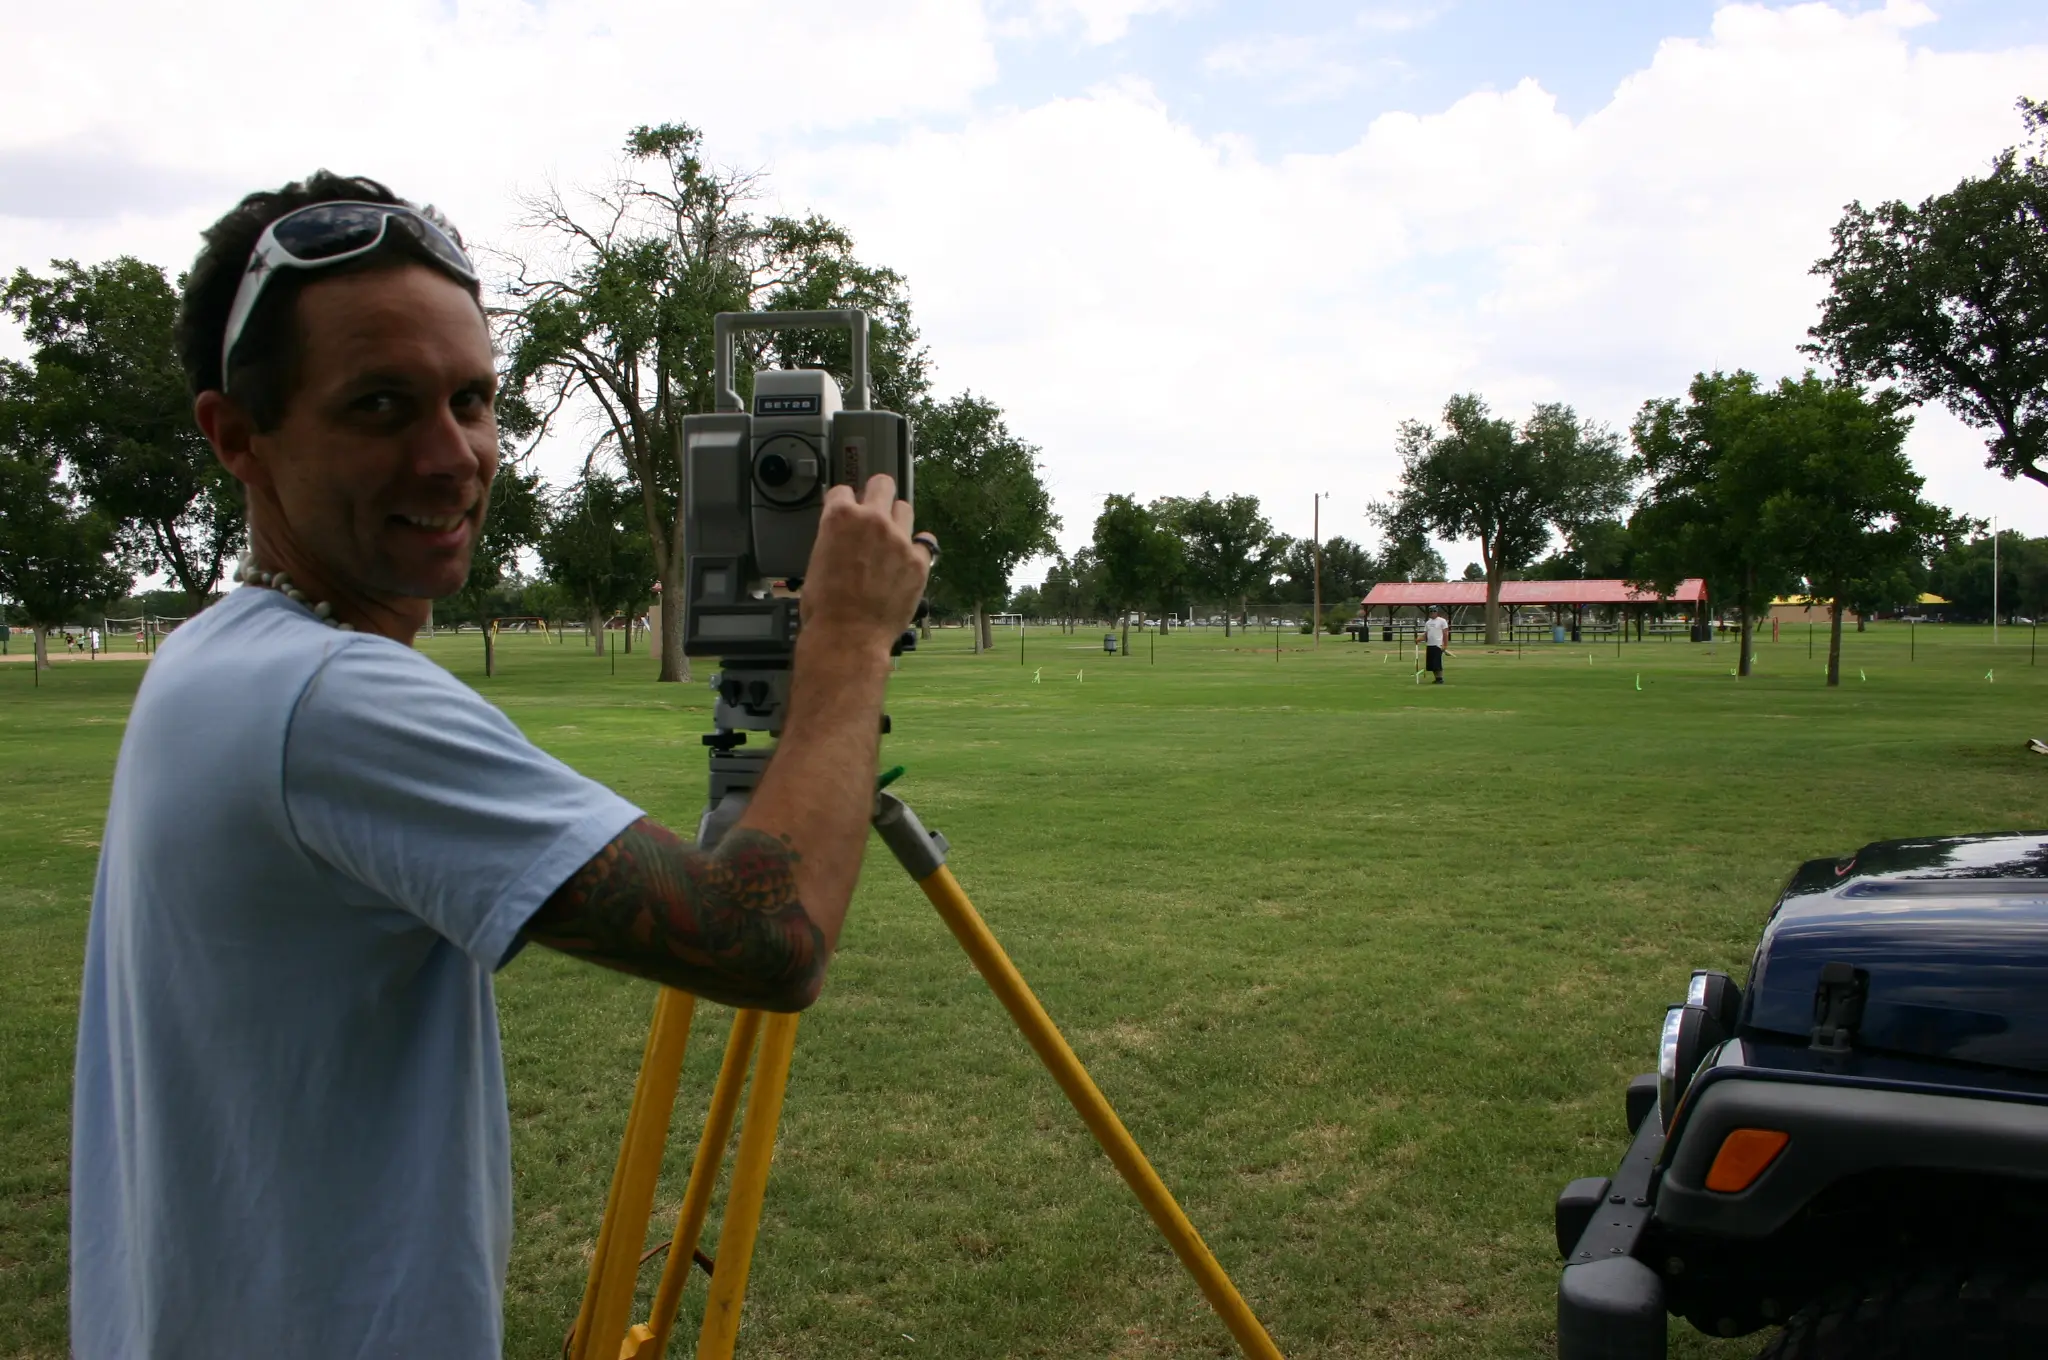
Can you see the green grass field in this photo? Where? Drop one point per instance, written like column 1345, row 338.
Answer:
column 1363, row 965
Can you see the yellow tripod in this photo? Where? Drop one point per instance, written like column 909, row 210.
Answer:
column 602, row 1331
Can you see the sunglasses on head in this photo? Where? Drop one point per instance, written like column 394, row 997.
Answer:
column 324, row 234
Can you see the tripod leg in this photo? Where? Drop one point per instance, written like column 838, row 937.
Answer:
column 721, row 1329
column 615, row 1265
column 1039, row 1031
column 725, row 1103
column 922, row 854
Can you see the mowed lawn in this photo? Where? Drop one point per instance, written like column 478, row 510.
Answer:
column 1363, row 965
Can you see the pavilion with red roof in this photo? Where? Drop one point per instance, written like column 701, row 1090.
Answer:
column 1555, row 595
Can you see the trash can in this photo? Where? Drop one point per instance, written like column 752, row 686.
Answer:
column 1575, row 632
column 1387, row 633
column 1557, row 632
column 1109, row 643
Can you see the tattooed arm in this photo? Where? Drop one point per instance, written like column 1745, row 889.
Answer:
column 727, row 925
column 754, row 922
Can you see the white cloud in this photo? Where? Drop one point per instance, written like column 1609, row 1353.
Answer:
column 1396, row 18
column 1096, row 21
column 1162, row 311
column 1167, row 313
column 460, row 101
column 1298, row 68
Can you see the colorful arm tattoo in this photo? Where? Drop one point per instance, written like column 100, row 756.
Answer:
column 726, row 925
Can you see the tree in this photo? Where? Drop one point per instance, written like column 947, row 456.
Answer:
column 1599, row 550
column 979, row 490
column 107, row 397
column 595, row 548
column 1350, row 570
column 1961, row 574
column 517, row 518
column 619, row 316
column 1062, row 596
column 1848, row 515
column 56, row 555
column 1950, row 299
column 1132, row 551
column 1231, row 550
column 1483, row 478
column 1712, row 462
column 1166, row 575
column 1408, row 557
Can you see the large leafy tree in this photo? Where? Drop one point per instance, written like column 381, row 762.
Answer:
column 1231, row 550
column 1409, row 557
column 979, row 490
column 595, row 548
column 105, row 395
column 56, row 554
column 1349, row 571
column 1961, row 574
column 1712, row 460
column 1483, row 477
column 1168, row 576
column 1848, row 514
column 1950, row 299
column 612, row 313
column 1132, row 551
column 1599, row 550
column 1062, row 596
column 517, row 519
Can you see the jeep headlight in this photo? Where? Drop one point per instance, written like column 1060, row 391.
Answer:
column 1669, row 1087
column 1712, row 1004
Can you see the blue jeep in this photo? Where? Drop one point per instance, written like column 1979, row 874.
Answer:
column 1855, row 1147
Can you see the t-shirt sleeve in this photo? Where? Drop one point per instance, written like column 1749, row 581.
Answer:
column 406, row 781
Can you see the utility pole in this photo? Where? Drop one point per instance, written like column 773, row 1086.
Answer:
column 1315, row 631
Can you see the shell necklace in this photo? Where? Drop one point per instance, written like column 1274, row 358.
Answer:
column 250, row 574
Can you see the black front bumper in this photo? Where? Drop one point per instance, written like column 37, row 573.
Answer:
column 1610, row 1306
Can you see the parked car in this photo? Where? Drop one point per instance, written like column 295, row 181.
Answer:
column 1854, row 1145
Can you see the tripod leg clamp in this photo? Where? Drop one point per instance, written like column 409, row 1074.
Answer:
column 920, row 852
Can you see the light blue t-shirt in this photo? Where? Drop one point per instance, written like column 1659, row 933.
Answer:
column 289, row 1134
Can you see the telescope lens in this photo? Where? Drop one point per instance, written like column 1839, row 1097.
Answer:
column 775, row 470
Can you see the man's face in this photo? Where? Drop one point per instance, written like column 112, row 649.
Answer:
column 382, row 465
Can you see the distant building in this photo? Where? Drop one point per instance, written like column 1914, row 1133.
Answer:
column 1806, row 609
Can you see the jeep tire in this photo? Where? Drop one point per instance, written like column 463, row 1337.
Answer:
column 1991, row 1312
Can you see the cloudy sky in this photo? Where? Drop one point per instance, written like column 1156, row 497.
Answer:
column 1189, row 245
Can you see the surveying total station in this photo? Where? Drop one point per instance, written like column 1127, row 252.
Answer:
column 753, row 486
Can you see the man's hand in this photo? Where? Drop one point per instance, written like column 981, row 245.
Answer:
column 754, row 921
column 865, row 575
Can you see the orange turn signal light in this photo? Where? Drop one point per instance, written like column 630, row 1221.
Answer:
column 1744, row 1155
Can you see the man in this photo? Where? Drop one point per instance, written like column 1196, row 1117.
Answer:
column 289, row 1126
column 1435, row 633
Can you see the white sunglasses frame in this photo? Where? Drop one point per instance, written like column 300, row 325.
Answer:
column 269, row 255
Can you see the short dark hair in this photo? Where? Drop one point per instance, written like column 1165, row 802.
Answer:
column 266, row 358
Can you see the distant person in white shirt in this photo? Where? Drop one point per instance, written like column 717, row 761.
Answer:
column 1435, row 634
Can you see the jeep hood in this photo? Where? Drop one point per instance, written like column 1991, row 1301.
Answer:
column 1951, row 933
